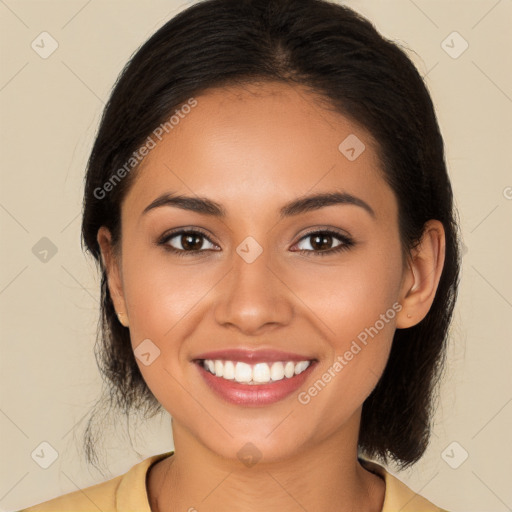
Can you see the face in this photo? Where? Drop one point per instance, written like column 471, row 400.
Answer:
column 322, row 282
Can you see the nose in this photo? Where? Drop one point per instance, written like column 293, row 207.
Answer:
column 253, row 297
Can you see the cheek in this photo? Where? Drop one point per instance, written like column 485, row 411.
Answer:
column 361, row 320
column 159, row 293
column 350, row 297
column 162, row 302
column 355, row 306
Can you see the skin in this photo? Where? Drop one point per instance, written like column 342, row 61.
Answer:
column 252, row 150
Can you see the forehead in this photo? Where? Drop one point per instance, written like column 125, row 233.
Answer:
column 267, row 142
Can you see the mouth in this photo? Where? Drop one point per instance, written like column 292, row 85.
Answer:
column 254, row 378
column 254, row 374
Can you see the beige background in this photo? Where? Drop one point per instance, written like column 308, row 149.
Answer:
column 50, row 109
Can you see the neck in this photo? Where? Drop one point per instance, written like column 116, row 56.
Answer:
column 324, row 477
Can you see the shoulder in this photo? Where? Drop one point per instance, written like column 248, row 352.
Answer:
column 398, row 496
column 124, row 493
column 97, row 497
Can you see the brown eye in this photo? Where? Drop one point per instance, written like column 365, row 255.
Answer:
column 321, row 242
column 186, row 241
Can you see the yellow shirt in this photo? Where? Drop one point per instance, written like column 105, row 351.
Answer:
column 128, row 493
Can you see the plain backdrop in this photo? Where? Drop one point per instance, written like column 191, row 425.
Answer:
column 50, row 110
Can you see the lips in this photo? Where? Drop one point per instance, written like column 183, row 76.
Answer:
column 257, row 378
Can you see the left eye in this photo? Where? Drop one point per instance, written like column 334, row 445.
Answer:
column 321, row 239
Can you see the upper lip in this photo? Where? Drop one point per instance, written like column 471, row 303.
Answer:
column 252, row 356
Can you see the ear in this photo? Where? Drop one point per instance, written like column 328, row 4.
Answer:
column 112, row 264
column 422, row 276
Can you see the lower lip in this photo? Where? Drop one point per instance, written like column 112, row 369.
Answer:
column 254, row 394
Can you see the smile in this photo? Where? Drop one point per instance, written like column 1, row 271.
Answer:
column 254, row 374
column 254, row 385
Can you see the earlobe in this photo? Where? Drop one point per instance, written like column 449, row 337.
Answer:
column 111, row 266
column 123, row 319
column 422, row 277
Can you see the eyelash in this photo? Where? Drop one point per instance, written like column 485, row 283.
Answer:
column 346, row 244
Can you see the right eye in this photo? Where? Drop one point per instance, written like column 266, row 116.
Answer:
column 186, row 241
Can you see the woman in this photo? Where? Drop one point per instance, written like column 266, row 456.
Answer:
column 269, row 205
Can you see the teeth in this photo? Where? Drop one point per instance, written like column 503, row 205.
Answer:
column 228, row 372
column 259, row 373
column 301, row 366
column 277, row 371
column 243, row 372
column 289, row 369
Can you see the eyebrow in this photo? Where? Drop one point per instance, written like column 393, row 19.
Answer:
column 206, row 206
